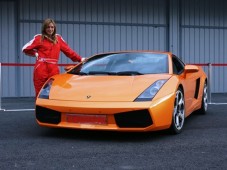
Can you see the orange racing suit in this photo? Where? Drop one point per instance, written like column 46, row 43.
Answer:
column 47, row 54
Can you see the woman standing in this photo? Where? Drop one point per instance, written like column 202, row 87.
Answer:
column 46, row 48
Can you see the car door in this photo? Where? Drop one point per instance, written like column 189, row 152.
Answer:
column 188, row 80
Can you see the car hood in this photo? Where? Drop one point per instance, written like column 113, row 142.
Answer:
column 101, row 88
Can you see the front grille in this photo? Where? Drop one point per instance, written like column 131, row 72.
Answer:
column 133, row 119
column 45, row 115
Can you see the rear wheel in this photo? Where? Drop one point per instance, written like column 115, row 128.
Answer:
column 178, row 113
column 204, row 101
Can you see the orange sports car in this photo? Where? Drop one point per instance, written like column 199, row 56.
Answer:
column 124, row 91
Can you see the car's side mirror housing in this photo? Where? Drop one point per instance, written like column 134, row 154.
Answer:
column 191, row 68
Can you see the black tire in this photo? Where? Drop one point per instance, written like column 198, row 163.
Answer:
column 178, row 117
column 204, row 101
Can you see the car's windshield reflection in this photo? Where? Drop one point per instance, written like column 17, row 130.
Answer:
column 124, row 64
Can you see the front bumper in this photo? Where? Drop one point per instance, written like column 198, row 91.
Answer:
column 121, row 116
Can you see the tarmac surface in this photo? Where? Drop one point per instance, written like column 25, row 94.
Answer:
column 25, row 145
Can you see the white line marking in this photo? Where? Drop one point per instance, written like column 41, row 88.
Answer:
column 17, row 110
column 218, row 103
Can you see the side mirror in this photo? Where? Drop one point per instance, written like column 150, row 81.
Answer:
column 191, row 68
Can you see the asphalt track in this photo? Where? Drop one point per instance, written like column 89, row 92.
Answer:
column 25, row 145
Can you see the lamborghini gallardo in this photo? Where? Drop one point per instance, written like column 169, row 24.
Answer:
column 133, row 91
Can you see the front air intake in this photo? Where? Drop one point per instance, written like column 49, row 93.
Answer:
column 45, row 115
column 133, row 119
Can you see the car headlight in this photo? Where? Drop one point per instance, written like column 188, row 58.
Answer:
column 151, row 91
column 45, row 91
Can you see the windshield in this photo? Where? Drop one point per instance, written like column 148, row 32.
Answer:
column 124, row 64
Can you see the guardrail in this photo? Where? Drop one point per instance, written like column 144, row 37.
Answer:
column 210, row 65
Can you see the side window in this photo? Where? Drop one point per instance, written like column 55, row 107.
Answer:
column 178, row 65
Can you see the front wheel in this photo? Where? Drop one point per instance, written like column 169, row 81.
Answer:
column 204, row 101
column 178, row 113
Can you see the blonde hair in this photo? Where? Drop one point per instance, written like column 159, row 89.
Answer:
column 46, row 23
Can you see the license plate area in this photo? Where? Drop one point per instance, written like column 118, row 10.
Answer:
column 86, row 119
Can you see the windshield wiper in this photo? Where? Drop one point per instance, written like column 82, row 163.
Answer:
column 130, row 73
column 82, row 73
column 101, row 73
column 121, row 73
